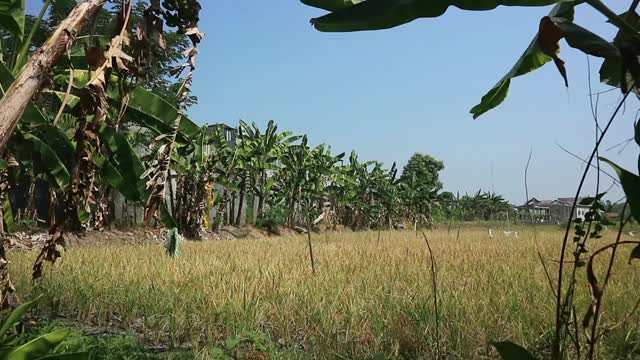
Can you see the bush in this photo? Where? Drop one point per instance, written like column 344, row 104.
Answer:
column 273, row 218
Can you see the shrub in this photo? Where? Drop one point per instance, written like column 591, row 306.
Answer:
column 273, row 218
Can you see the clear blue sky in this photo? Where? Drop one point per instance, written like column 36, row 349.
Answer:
column 389, row 94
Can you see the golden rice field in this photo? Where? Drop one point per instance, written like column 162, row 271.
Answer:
column 368, row 298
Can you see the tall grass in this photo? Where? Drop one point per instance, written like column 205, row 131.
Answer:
column 366, row 298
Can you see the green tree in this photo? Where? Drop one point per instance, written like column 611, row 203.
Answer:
column 420, row 185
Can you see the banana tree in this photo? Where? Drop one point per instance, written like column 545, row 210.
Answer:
column 364, row 192
column 262, row 151
column 190, row 194
column 303, row 177
column 224, row 167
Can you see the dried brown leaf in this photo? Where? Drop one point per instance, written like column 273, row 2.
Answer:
column 549, row 36
column 51, row 251
column 95, row 57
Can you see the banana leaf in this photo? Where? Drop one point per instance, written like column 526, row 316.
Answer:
column 16, row 315
column 38, row 347
column 12, row 15
column 385, row 14
column 7, row 215
column 44, row 159
column 148, row 109
column 123, row 169
column 57, row 140
column 533, row 58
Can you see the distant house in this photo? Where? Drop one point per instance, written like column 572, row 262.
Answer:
column 551, row 211
column 230, row 133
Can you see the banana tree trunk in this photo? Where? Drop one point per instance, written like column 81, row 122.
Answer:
column 292, row 210
column 232, row 209
column 263, row 194
column 220, row 216
column 21, row 91
column 243, row 191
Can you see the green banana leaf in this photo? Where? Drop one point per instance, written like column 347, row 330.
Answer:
column 31, row 113
column 612, row 70
column 39, row 347
column 123, row 169
column 147, row 108
column 57, row 140
column 331, row 5
column 584, row 40
column 12, row 14
column 16, row 315
column 7, row 214
column 631, row 186
column 385, row 14
column 531, row 59
column 31, row 149
column 72, row 100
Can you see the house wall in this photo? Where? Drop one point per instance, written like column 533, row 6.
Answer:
column 559, row 212
column 581, row 212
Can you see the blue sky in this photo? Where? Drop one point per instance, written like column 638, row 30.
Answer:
column 389, row 94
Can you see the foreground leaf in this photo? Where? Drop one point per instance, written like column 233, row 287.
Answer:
column 331, row 5
column 552, row 29
column 532, row 59
column 512, row 351
column 631, row 186
column 548, row 37
column 614, row 70
column 596, row 294
column 385, row 14
column 17, row 314
column 584, row 40
column 38, row 347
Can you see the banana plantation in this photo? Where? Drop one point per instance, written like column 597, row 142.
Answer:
column 96, row 134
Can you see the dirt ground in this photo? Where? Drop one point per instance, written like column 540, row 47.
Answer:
column 35, row 239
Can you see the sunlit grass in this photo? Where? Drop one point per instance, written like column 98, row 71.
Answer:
column 367, row 297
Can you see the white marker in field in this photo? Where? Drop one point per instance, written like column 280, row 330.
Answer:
column 491, row 233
